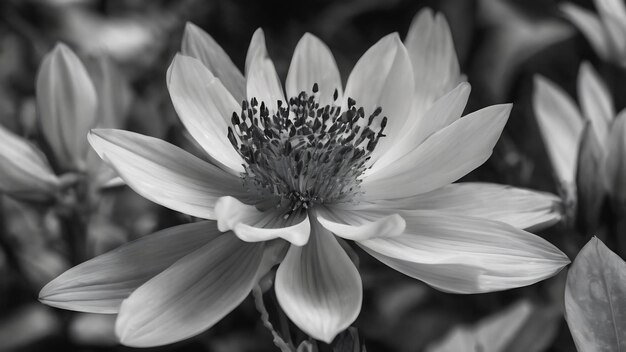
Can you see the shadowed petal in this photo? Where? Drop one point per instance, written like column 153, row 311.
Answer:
column 253, row 225
column 164, row 173
column 100, row 284
column 200, row 45
column 318, row 286
column 312, row 62
column 443, row 158
column 191, row 295
column 205, row 108
column 467, row 255
column 561, row 126
column 24, row 170
column 590, row 26
column 595, row 101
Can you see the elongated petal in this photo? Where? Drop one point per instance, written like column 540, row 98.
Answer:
column 312, row 62
column 164, row 173
column 66, row 102
column 262, row 80
column 443, row 158
column 590, row 180
column 24, row 170
column 200, row 45
column 441, row 114
column 100, row 284
column 318, row 287
column 616, row 160
column 467, row 255
column 517, row 207
column 191, row 295
column 257, row 47
column 205, row 108
column 382, row 78
column 361, row 225
column 253, row 225
column 590, row 26
column 596, row 101
column 560, row 124
column 435, row 64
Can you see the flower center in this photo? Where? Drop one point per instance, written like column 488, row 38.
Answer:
column 304, row 153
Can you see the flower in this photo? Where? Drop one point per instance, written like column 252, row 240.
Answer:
column 569, row 141
column 605, row 32
column 68, row 107
column 293, row 177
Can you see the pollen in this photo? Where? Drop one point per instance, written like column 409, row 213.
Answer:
column 304, row 153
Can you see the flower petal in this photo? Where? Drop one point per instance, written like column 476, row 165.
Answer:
column 517, row 207
column 318, row 287
column 435, row 65
column 616, row 161
column 467, row 255
column 253, row 225
column 66, row 103
column 205, row 108
column 595, row 101
column 200, row 45
column 443, row 158
column 164, row 173
column 262, row 80
column 361, row 225
column 441, row 114
column 561, row 127
column 191, row 295
column 100, row 284
column 590, row 26
column 24, row 170
column 312, row 62
column 383, row 78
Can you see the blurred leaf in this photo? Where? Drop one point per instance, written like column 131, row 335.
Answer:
column 590, row 178
column 93, row 329
column 616, row 163
column 103, row 236
column 492, row 334
column 594, row 299
column 26, row 325
column 513, row 37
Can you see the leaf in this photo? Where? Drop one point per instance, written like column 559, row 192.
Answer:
column 594, row 299
column 491, row 334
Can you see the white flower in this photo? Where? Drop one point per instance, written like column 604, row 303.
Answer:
column 372, row 164
column 605, row 31
column 562, row 125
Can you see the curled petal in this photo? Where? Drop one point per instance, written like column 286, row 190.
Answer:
column 253, row 225
column 67, row 103
column 200, row 45
column 164, row 173
column 100, row 284
column 318, row 287
column 191, row 295
column 467, row 255
column 361, row 225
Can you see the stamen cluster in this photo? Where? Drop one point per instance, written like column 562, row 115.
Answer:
column 305, row 153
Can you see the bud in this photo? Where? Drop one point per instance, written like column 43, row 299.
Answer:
column 616, row 161
column 590, row 180
column 24, row 170
column 67, row 102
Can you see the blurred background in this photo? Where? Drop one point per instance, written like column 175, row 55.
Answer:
column 501, row 45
